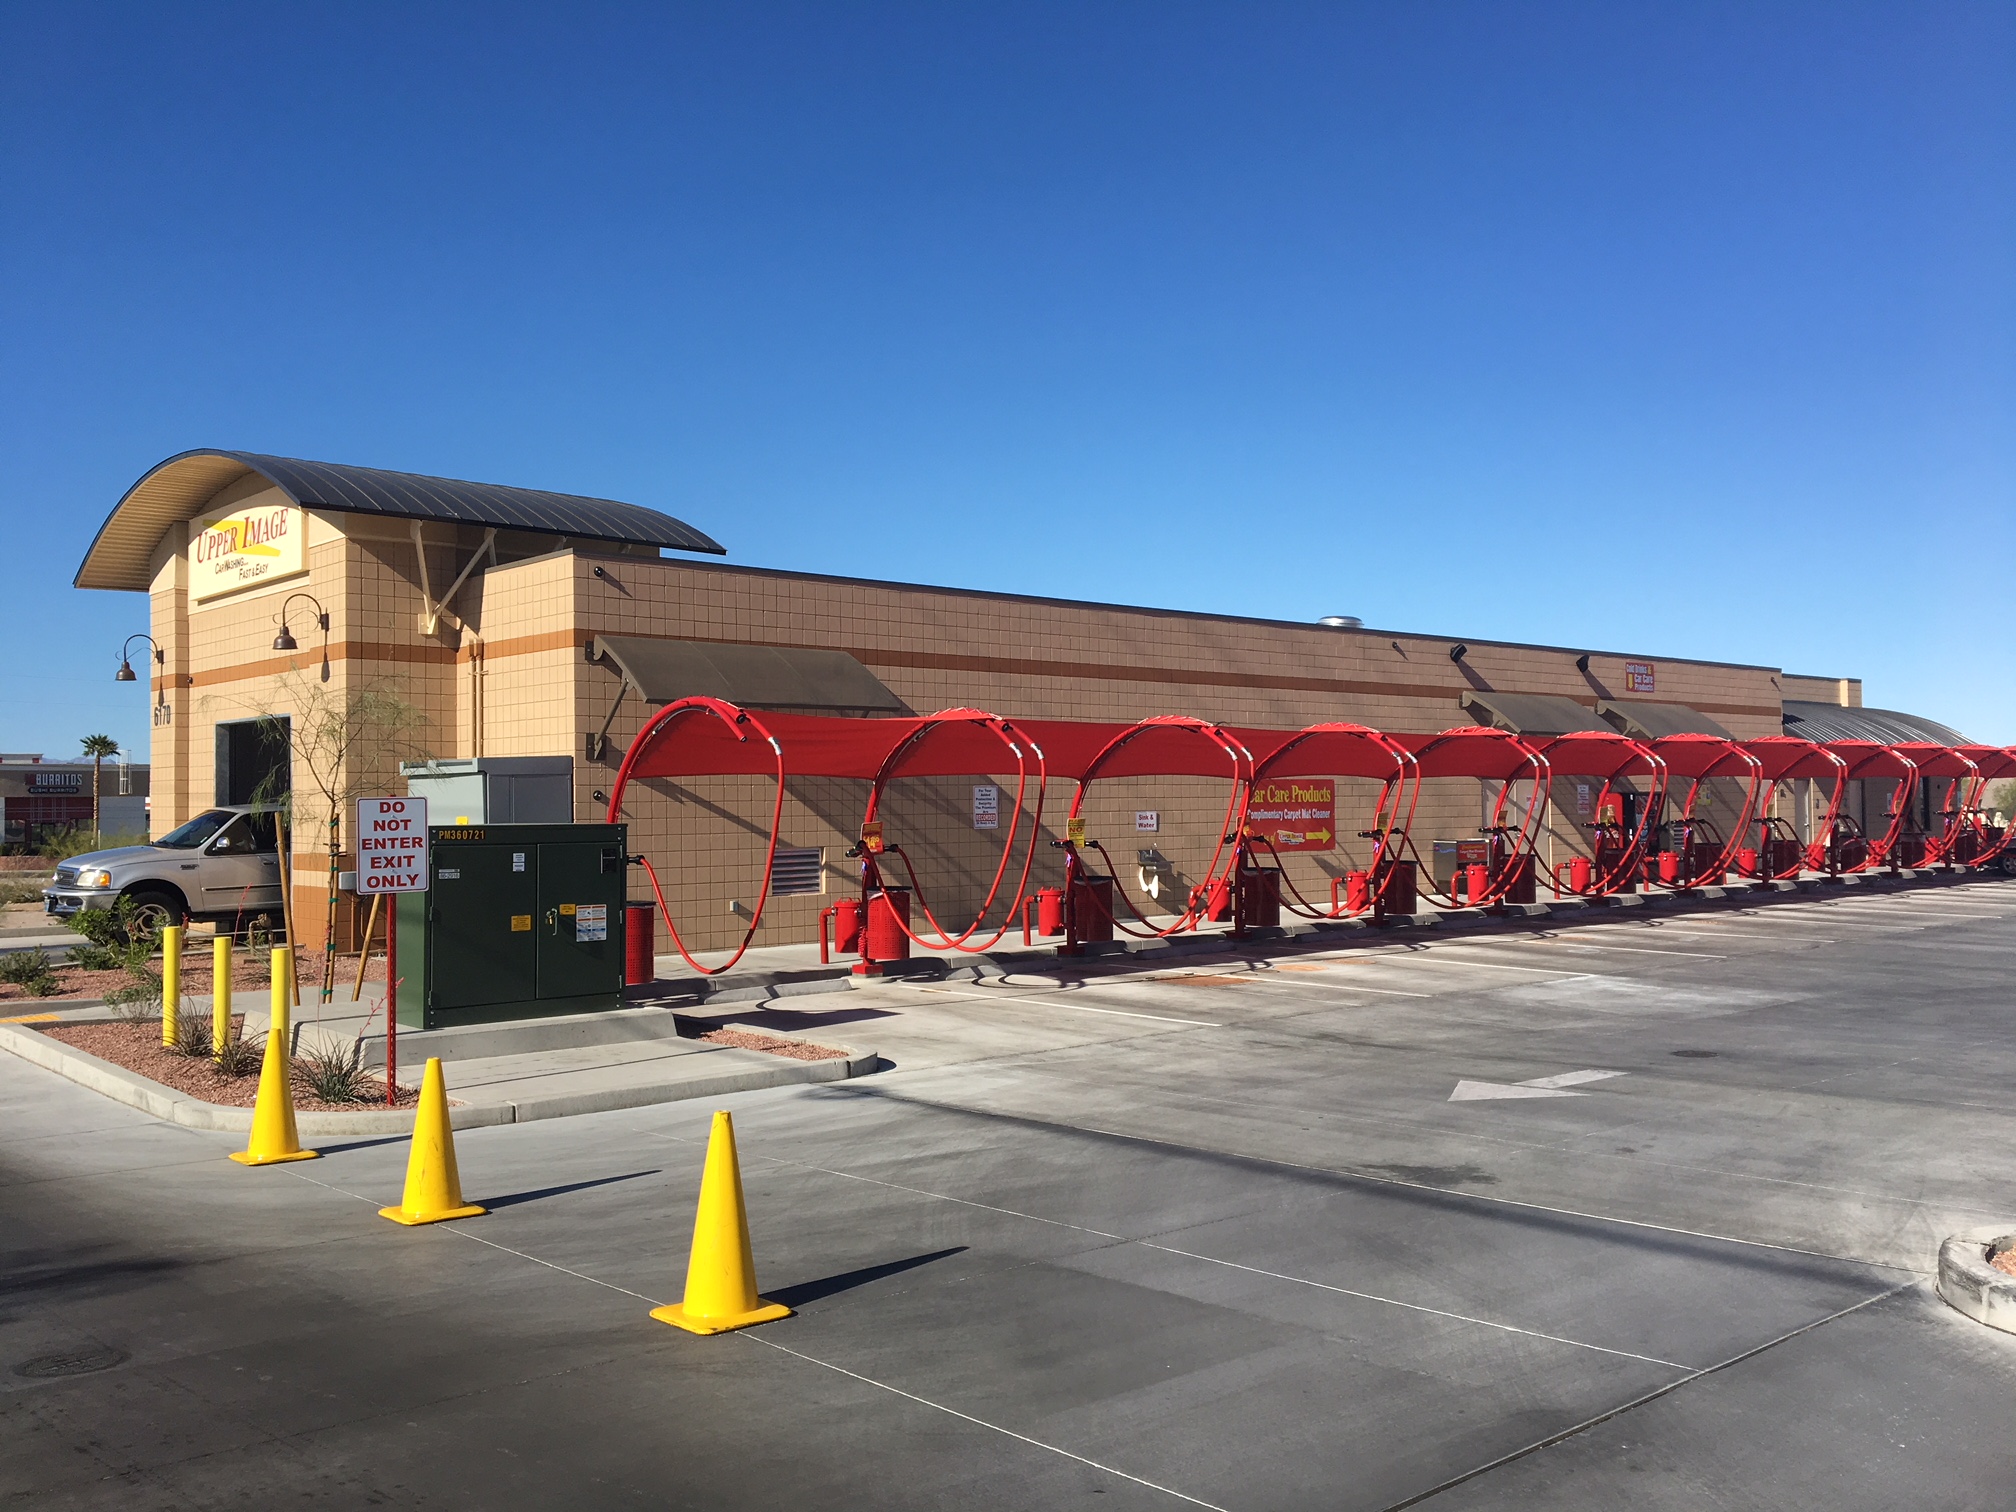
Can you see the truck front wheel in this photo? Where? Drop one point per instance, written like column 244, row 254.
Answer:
column 154, row 908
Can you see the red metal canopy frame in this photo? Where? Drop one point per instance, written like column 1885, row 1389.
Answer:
column 1782, row 854
column 1699, row 759
column 1619, row 853
column 1868, row 760
column 1338, row 749
column 1166, row 745
column 1490, row 755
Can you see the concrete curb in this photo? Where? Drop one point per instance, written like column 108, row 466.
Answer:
column 1971, row 1285
column 136, row 1091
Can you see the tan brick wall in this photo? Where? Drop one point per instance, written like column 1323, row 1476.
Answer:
column 504, row 674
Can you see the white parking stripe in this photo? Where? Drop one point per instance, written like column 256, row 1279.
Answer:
column 1699, row 955
column 1345, row 1291
column 983, row 997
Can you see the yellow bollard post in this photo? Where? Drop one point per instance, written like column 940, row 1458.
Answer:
column 433, row 1184
column 720, row 1272
column 171, row 984
column 274, row 1135
column 220, row 993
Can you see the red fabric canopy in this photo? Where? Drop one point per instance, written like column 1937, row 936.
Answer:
column 702, row 737
column 1698, row 756
column 1994, row 761
column 1473, row 751
column 1327, row 750
column 1866, row 758
column 1597, row 753
column 1935, row 760
column 1786, row 756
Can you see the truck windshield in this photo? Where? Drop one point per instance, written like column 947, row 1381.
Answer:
column 197, row 830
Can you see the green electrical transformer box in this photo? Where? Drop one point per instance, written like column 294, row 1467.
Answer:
column 519, row 921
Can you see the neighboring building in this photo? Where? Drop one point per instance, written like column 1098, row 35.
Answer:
column 530, row 624
column 40, row 798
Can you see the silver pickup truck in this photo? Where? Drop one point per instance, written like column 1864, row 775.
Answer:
column 224, row 865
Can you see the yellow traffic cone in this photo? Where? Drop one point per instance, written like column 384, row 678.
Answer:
column 720, row 1273
column 433, row 1185
column 274, row 1138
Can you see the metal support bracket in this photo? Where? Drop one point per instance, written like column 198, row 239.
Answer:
column 431, row 609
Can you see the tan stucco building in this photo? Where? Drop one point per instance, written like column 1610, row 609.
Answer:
column 514, row 623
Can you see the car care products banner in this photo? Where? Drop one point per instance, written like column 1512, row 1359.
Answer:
column 1295, row 813
column 247, row 549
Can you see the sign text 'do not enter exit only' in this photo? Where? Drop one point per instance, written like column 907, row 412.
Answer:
column 391, row 845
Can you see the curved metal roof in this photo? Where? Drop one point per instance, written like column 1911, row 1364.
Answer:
column 174, row 490
column 1823, row 722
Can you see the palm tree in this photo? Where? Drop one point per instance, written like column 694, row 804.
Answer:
column 98, row 747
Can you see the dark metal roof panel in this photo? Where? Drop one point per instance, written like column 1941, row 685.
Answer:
column 176, row 488
column 1533, row 713
column 1650, row 721
column 756, row 677
column 1823, row 721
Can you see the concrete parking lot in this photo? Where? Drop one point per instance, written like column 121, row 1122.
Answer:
column 1639, row 1211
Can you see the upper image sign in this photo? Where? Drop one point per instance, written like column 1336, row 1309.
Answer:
column 247, row 549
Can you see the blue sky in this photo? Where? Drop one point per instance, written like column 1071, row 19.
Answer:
column 1681, row 329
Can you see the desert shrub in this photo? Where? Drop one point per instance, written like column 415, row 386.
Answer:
column 192, row 1036
column 23, row 966
column 116, row 929
column 137, row 1001
column 241, row 1054
column 335, row 1075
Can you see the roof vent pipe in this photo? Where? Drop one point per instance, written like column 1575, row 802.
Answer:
column 1342, row 622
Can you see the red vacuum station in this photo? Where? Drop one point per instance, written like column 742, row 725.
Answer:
column 1651, row 823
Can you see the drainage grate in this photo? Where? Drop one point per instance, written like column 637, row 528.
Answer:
column 73, row 1363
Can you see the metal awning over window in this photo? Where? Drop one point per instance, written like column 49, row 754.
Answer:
column 1652, row 721
column 798, row 679
column 1824, row 722
column 1532, row 713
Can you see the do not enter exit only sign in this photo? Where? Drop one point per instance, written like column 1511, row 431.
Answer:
column 391, row 845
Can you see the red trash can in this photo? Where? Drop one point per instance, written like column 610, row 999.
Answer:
column 640, row 956
column 1357, row 891
column 1092, row 908
column 847, row 925
column 1580, row 874
column 887, row 939
column 1050, row 910
column 1477, row 883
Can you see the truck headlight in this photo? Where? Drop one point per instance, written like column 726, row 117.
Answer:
column 94, row 876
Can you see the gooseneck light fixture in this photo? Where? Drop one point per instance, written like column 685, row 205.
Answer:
column 162, row 713
column 285, row 641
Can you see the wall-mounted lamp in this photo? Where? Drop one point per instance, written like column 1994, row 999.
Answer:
column 1582, row 662
column 285, row 641
column 601, row 573
column 599, row 796
column 127, row 674
column 1458, row 652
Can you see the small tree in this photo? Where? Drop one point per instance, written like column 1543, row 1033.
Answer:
column 98, row 747
column 344, row 744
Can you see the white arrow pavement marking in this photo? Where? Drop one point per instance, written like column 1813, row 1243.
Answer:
column 1540, row 1086
column 1476, row 1091
column 1572, row 1078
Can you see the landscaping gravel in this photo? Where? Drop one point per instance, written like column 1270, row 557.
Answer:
column 138, row 1047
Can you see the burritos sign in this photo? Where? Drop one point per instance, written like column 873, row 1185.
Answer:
column 1295, row 814
column 247, row 549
